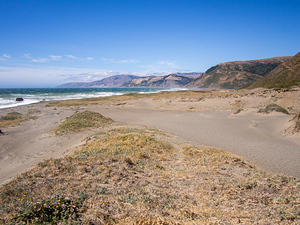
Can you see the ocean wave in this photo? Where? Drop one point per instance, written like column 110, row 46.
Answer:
column 8, row 103
column 31, row 98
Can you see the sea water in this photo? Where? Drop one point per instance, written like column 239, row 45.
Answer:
column 35, row 95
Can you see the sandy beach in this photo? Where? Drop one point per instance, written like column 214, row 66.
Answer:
column 196, row 118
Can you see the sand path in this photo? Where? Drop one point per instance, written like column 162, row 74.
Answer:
column 253, row 136
column 30, row 143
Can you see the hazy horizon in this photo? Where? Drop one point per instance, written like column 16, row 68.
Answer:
column 44, row 44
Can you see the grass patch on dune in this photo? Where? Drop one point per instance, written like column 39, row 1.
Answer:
column 13, row 119
column 81, row 121
column 273, row 107
column 135, row 176
column 131, row 146
column 12, row 116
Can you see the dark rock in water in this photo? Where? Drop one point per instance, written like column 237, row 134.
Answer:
column 19, row 99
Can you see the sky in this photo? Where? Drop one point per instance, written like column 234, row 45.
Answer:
column 46, row 43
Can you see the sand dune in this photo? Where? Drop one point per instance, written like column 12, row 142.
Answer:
column 250, row 135
column 255, row 137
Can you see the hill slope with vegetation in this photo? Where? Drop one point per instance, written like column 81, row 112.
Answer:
column 237, row 74
column 169, row 81
column 285, row 75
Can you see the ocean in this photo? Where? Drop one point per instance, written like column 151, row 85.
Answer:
column 35, row 95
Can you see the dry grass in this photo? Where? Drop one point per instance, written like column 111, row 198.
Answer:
column 134, row 176
column 81, row 121
column 13, row 119
column 186, row 95
column 93, row 101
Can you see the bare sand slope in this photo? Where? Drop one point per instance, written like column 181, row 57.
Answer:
column 31, row 142
column 253, row 136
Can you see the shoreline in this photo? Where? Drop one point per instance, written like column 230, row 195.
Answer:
column 62, row 97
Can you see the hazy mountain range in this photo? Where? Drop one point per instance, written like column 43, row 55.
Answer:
column 281, row 71
column 125, row 80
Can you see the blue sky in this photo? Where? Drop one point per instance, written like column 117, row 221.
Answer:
column 45, row 43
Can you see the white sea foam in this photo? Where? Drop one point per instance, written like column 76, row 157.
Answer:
column 10, row 99
column 30, row 99
column 7, row 103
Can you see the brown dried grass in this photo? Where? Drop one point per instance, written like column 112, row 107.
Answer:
column 135, row 176
column 12, row 119
column 189, row 95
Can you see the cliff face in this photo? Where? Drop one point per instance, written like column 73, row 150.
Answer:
column 237, row 74
column 169, row 81
column 285, row 75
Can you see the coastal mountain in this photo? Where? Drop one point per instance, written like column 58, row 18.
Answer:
column 285, row 75
column 109, row 82
column 237, row 74
column 190, row 74
column 171, row 80
column 168, row 81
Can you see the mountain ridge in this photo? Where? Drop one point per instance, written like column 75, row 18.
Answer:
column 109, row 82
column 237, row 74
column 225, row 75
column 127, row 80
column 285, row 75
column 168, row 81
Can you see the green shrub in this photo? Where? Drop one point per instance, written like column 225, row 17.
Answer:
column 49, row 211
column 82, row 120
column 273, row 107
column 12, row 116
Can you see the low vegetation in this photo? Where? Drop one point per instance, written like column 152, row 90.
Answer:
column 133, row 96
column 135, row 176
column 13, row 119
column 94, row 101
column 273, row 107
column 50, row 211
column 80, row 121
column 286, row 75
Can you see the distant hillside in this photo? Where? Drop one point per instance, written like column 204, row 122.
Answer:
column 190, row 74
column 112, row 81
column 171, row 80
column 285, row 75
column 237, row 74
column 168, row 81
